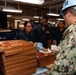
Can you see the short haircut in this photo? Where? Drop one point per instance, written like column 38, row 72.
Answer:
column 45, row 17
column 71, row 10
column 26, row 22
column 62, row 22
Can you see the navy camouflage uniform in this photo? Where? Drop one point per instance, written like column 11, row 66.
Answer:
column 65, row 63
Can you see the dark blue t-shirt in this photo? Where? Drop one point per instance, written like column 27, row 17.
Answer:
column 42, row 35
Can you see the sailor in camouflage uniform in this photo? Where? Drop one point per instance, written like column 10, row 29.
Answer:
column 65, row 63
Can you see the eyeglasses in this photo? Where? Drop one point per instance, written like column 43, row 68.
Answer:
column 28, row 26
column 65, row 13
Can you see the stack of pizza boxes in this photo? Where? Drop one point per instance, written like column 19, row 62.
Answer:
column 45, row 59
column 18, row 57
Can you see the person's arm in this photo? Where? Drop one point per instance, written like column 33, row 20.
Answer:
column 63, row 66
column 21, row 35
column 49, row 43
column 65, row 63
column 39, row 46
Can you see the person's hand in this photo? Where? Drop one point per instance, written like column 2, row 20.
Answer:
column 39, row 46
column 46, row 72
column 35, row 44
column 53, row 51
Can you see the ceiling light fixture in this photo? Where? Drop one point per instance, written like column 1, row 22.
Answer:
column 9, row 15
column 5, row 9
column 60, row 19
column 53, row 14
column 36, row 21
column 32, row 1
column 26, row 19
column 18, row 20
column 11, row 9
column 35, row 16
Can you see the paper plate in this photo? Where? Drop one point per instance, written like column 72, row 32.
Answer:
column 1, row 42
column 49, row 51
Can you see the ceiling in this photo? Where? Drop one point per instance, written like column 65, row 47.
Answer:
column 30, row 10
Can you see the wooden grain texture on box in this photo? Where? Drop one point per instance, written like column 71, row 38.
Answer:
column 19, row 58
column 45, row 60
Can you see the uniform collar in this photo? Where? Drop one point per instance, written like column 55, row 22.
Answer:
column 69, row 29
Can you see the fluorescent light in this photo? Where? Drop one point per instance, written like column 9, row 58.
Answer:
column 60, row 19
column 36, row 17
column 50, row 22
column 22, row 22
column 32, row 1
column 18, row 20
column 21, row 25
column 53, row 14
column 12, row 10
column 36, row 21
column 25, row 19
column 9, row 15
